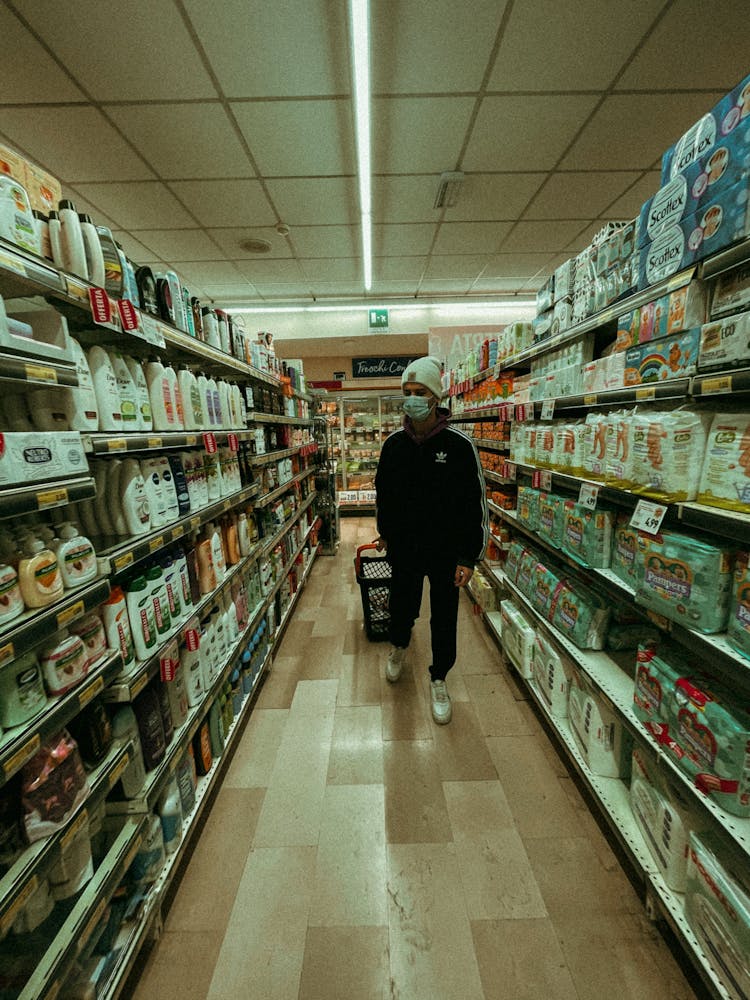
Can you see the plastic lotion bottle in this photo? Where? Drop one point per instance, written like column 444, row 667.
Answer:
column 207, row 401
column 145, row 420
column 93, row 251
column 160, row 394
column 134, row 498
column 39, row 575
column 117, row 627
column 114, row 501
column 206, row 566
column 177, row 695
column 101, row 502
column 142, row 618
column 192, row 404
column 158, row 590
column 76, row 556
column 168, row 488
column 243, row 534
column 127, row 390
column 213, row 389
column 71, row 239
column 125, row 730
column 157, row 503
column 11, row 601
column 106, row 389
column 174, row 389
column 80, row 403
column 179, row 479
column 217, row 552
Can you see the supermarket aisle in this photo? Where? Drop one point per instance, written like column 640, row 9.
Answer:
column 358, row 851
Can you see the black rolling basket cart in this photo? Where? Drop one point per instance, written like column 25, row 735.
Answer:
column 374, row 579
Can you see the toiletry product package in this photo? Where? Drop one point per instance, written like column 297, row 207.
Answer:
column 675, row 356
column 581, row 614
column 517, row 637
column 667, row 453
column 731, row 291
column 738, row 630
column 618, row 469
column 527, row 508
column 599, row 734
column 552, row 671
column 725, row 476
column 53, row 784
column 587, row 534
column 624, row 558
column 550, row 518
column 725, row 343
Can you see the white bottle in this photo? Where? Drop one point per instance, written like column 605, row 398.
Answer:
column 213, row 389
column 114, row 497
column 80, row 403
column 75, row 556
column 183, row 576
column 105, row 387
column 174, row 387
column 192, row 404
column 73, row 247
column 117, row 627
column 243, row 535
column 145, row 421
column 158, row 590
column 170, row 814
column 175, row 289
column 55, row 239
column 87, row 517
column 207, row 401
column 239, row 413
column 101, row 503
column 128, row 394
column 225, row 397
column 134, row 498
column 141, row 616
column 187, row 458
column 172, row 586
column 217, row 551
column 231, row 628
column 211, row 328
column 223, row 332
column 93, row 250
column 124, row 731
column 168, row 488
column 213, row 476
column 190, row 661
column 178, row 702
column 163, row 409
column 157, row 504
column 11, row 602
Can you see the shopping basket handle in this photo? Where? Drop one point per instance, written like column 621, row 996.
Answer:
column 360, row 550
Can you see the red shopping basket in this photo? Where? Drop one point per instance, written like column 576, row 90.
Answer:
column 374, row 579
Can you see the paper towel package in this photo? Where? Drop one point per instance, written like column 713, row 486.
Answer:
column 517, row 637
column 713, row 127
column 725, row 476
column 587, row 534
column 675, row 356
column 717, row 907
column 598, row 732
column 667, row 453
column 552, row 671
column 725, row 343
column 738, row 630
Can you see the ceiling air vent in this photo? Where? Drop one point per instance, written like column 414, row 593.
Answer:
column 256, row 246
column 448, row 189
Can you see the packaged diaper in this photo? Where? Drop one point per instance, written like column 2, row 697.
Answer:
column 686, row 580
column 725, row 478
column 513, row 559
column 542, row 589
column 658, row 668
column 527, row 508
column 667, row 453
column 569, row 448
column 717, row 907
column 587, row 534
column 545, row 446
column 529, row 442
column 526, row 564
column 619, row 449
column 552, row 671
column 517, row 637
column 598, row 732
column 581, row 614
column 517, row 443
column 624, row 559
column 595, row 446
column 550, row 518
column 739, row 616
column 725, row 343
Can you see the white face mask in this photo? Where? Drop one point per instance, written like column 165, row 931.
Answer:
column 417, row 407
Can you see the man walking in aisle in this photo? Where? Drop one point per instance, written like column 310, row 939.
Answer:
column 432, row 521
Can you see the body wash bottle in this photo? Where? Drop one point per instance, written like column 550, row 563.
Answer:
column 39, row 575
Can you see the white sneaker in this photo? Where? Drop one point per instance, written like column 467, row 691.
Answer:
column 442, row 710
column 395, row 664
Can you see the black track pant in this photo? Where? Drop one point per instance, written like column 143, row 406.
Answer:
column 405, row 600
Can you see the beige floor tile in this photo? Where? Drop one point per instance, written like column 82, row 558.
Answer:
column 476, row 809
column 589, row 826
column 206, row 894
column 497, row 878
column 277, row 689
column 356, row 746
column 431, row 948
column 264, row 946
column 461, row 749
column 314, row 696
column 405, row 709
column 498, row 712
column 179, row 967
column 255, row 756
column 539, row 806
column 522, row 960
column 351, row 870
column 359, row 680
column 322, row 658
column 415, row 808
column 346, row 963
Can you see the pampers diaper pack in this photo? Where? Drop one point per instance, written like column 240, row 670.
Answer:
column 739, row 616
column 550, row 518
column 552, row 671
column 655, row 677
column 624, row 559
column 725, row 343
column 527, row 508
column 686, row 580
column 587, row 534
column 668, row 448
column 725, row 478
column 597, row 731
column 581, row 613
column 717, row 907
column 513, row 559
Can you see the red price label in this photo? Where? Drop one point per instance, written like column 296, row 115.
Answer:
column 192, row 639
column 209, row 442
column 233, row 442
column 521, row 412
column 128, row 315
column 169, row 661
column 101, row 307
column 536, row 479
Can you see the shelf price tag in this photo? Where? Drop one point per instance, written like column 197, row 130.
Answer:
column 536, row 479
column 522, row 413
column 154, row 442
column 118, row 772
column 139, row 685
column 129, row 317
column 713, row 386
column 68, row 614
column 209, row 442
column 511, row 471
column 645, row 392
column 40, row 373
column 18, row 903
column 7, row 653
column 590, row 399
column 117, row 444
column 156, row 543
column 588, row 495
column 51, row 498
column 648, row 516
column 548, row 409
column 101, row 307
column 169, row 660
column 121, row 562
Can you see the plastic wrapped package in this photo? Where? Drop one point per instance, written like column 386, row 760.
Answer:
column 526, row 565
column 551, row 518
column 595, row 446
column 53, row 784
column 725, row 477
column 587, row 534
column 552, row 672
column 75, row 867
column 624, row 557
column 581, row 614
column 527, row 508
column 738, row 629
column 517, row 637
column 618, row 469
column 598, row 732
column 542, row 590
column 570, row 447
column 546, row 455
column 686, row 579
column 668, row 450
column 513, row 560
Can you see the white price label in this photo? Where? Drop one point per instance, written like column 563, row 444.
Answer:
column 588, row 495
column 548, row 409
column 648, row 517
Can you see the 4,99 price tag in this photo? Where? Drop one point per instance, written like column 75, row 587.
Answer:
column 648, row 517
column 588, row 495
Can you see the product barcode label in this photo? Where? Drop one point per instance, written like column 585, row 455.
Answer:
column 648, row 516
column 117, row 773
column 588, row 495
column 646, row 392
column 137, row 686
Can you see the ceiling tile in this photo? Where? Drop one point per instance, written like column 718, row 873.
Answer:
column 139, row 50
column 629, row 205
column 515, row 265
column 229, row 240
column 693, row 45
column 328, row 269
column 136, row 250
column 631, row 131
column 209, row 272
column 225, row 203
column 243, row 288
column 418, row 135
column 485, row 284
column 284, row 290
column 538, row 237
column 403, row 240
column 525, row 133
column 440, row 52
column 332, row 241
column 456, row 266
column 392, row 269
column 299, row 138
column 483, row 197
column 184, row 140
column 138, row 205
column 271, row 271
column 260, row 49
column 330, row 289
column 454, row 286
column 315, row 201
column 569, row 46
column 387, row 286
column 578, row 195
column 27, row 72
column 470, row 237
column 97, row 152
column 584, row 237
column 180, row 244
column 404, row 199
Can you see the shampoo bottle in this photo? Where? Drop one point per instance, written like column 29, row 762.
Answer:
column 107, row 392
column 177, row 695
column 157, row 503
column 117, row 627
column 80, row 403
column 174, row 389
column 126, row 388
column 142, row 618
column 150, row 727
column 180, row 483
column 55, row 239
column 93, row 251
column 113, row 277
column 169, row 488
column 143, row 400
column 192, row 404
column 160, row 394
column 160, row 602
column 101, row 503
column 169, row 809
column 114, row 497
column 71, row 237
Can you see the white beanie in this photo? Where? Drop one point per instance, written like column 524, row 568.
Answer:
column 424, row 371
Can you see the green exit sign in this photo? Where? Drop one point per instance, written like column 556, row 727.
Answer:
column 378, row 319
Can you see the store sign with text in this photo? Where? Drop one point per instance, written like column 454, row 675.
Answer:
column 387, row 367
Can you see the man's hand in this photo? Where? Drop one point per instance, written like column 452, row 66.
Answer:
column 381, row 544
column 463, row 575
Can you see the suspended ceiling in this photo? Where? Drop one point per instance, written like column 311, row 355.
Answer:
column 190, row 127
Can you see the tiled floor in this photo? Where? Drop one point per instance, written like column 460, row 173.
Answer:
column 356, row 851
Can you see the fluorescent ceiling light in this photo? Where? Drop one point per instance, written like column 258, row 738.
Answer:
column 456, row 307
column 360, row 28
